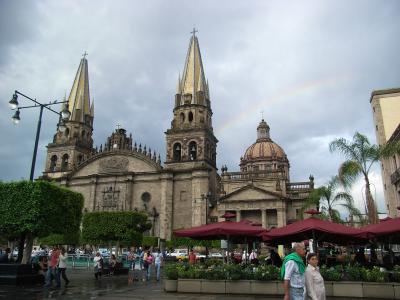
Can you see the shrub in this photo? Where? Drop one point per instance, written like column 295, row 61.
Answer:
column 373, row 275
column 331, row 274
column 171, row 271
column 267, row 272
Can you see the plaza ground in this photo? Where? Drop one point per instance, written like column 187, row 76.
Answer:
column 84, row 286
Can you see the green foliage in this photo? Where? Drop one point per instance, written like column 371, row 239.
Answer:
column 373, row 275
column 171, row 271
column 150, row 241
column 61, row 239
column 39, row 208
column 329, row 197
column 352, row 273
column 101, row 228
column 360, row 155
column 267, row 272
column 331, row 274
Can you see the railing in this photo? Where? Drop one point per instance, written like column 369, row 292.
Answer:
column 86, row 261
column 254, row 174
column 395, row 177
column 299, row 186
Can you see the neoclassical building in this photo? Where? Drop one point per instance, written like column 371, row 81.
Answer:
column 186, row 189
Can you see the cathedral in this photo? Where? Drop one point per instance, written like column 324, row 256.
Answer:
column 186, row 189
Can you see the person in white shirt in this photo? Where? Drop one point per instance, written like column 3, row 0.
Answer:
column 157, row 262
column 253, row 257
column 98, row 265
column 292, row 273
column 62, row 265
column 315, row 287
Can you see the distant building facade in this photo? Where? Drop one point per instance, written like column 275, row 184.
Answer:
column 386, row 114
column 186, row 190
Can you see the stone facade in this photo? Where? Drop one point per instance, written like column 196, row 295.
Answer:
column 187, row 190
column 386, row 114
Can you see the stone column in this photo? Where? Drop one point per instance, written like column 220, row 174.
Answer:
column 166, row 206
column 129, row 194
column 264, row 218
column 200, row 187
column 238, row 215
column 93, row 193
column 281, row 217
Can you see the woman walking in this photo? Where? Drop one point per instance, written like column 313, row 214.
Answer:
column 98, row 265
column 62, row 265
column 315, row 288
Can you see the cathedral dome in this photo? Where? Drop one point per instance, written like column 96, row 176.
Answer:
column 264, row 153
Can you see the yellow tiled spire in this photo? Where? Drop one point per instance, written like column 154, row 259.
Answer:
column 79, row 97
column 193, row 79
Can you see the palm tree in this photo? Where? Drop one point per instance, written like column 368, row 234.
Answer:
column 329, row 197
column 360, row 156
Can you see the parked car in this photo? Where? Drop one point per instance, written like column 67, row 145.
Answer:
column 216, row 255
column 104, row 252
column 199, row 255
column 180, row 253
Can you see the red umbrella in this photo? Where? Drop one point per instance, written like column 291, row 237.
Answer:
column 221, row 230
column 388, row 229
column 313, row 228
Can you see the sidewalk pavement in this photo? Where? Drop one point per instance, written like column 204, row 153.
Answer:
column 83, row 285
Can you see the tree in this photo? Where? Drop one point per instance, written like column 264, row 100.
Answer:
column 360, row 156
column 37, row 209
column 123, row 228
column 329, row 197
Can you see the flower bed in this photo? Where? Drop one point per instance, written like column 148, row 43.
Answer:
column 216, row 277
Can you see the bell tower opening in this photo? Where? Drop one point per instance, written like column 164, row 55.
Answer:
column 192, row 150
column 177, row 152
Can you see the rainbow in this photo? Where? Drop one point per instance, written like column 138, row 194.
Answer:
column 301, row 88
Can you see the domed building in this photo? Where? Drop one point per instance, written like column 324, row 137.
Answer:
column 262, row 192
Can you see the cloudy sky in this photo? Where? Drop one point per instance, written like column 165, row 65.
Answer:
column 310, row 66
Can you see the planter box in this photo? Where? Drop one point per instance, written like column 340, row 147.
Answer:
column 170, row 285
column 189, row 286
column 238, row 287
column 396, row 288
column 378, row 290
column 329, row 288
column 350, row 289
column 265, row 287
column 213, row 286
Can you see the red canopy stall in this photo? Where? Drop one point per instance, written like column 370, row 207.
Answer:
column 313, row 228
column 221, row 230
column 386, row 230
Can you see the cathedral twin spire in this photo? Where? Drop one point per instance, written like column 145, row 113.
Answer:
column 79, row 98
column 193, row 86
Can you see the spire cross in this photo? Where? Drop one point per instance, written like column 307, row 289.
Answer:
column 85, row 54
column 194, row 31
column 262, row 115
column 118, row 126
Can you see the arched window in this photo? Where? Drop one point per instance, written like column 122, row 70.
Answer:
column 182, row 117
column 80, row 158
column 53, row 163
column 177, row 151
column 64, row 162
column 67, row 132
column 83, row 134
column 190, row 116
column 192, row 150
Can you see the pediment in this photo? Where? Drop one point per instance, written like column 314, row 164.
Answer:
column 251, row 192
column 115, row 163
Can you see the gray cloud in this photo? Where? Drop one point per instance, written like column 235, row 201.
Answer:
column 310, row 66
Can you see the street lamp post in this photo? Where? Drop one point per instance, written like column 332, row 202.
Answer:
column 207, row 198
column 63, row 116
